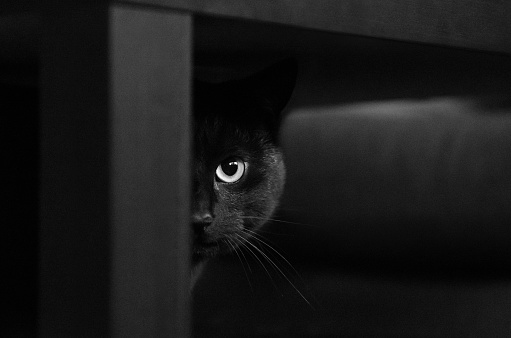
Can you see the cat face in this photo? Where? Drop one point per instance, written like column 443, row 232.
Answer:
column 239, row 171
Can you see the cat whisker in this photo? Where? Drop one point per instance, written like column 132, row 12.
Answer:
column 228, row 242
column 282, row 208
column 245, row 258
column 273, row 233
column 276, row 267
column 277, row 220
column 260, row 238
column 243, row 243
column 264, row 241
column 252, row 232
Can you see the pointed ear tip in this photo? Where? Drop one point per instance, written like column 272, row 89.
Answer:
column 285, row 72
column 288, row 65
column 290, row 68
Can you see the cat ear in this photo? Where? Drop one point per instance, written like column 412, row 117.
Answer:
column 274, row 85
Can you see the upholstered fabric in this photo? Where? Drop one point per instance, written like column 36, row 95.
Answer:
column 428, row 178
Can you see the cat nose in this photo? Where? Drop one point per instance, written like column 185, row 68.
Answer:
column 201, row 221
column 202, row 217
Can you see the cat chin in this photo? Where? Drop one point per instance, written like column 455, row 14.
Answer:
column 196, row 272
column 199, row 261
column 200, row 258
column 204, row 251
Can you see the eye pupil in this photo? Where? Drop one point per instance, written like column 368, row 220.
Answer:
column 230, row 168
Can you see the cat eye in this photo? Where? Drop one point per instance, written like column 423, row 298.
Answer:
column 230, row 170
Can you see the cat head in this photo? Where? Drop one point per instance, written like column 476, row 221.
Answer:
column 239, row 171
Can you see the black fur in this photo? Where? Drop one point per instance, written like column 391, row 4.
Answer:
column 240, row 120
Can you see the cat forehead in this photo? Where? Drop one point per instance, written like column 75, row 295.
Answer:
column 217, row 132
column 217, row 138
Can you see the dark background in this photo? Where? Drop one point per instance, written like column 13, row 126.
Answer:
column 398, row 191
column 396, row 212
column 20, row 135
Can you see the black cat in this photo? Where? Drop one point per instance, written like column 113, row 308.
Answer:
column 238, row 166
